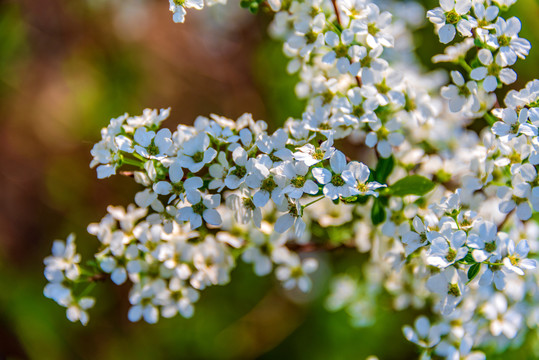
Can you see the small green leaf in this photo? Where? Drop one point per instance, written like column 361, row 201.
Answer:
column 378, row 213
column 384, row 169
column 473, row 271
column 469, row 258
column 412, row 185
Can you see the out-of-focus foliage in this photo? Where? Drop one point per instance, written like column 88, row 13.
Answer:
column 66, row 68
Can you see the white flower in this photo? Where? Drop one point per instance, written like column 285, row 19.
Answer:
column 512, row 124
column 384, row 137
column 510, row 45
column 265, row 183
column 196, row 153
column 516, row 197
column 340, row 46
column 358, row 173
column 144, row 301
column 484, row 240
column 485, row 16
column 454, row 52
column 444, row 252
column 502, row 320
column 413, row 240
column 63, row 262
column 203, row 208
column 491, row 72
column 516, row 260
column 336, row 185
column 176, row 184
column 449, row 285
column 373, row 27
column 451, row 14
column 178, row 8
column 152, row 145
column 244, row 208
column 292, row 217
column 180, row 299
column 423, row 334
column 238, row 174
column 310, row 155
column 76, row 311
column 296, row 175
column 461, row 93
column 308, row 34
column 294, row 272
column 261, row 251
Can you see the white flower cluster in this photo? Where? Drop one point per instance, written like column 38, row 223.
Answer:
column 180, row 236
column 496, row 46
column 445, row 213
column 63, row 273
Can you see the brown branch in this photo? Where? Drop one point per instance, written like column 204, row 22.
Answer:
column 338, row 14
column 98, row 277
column 334, row 2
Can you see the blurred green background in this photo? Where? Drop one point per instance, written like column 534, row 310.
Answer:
column 66, row 68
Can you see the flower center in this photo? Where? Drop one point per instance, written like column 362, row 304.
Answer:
column 358, row 111
column 494, row 69
column 451, row 255
column 311, row 37
column 514, row 260
column 337, row 180
column 198, row 157
column 199, row 208
column 515, row 156
column 178, row 188
column 464, row 91
column 318, row 154
column 409, row 104
column 362, row 187
column 382, row 87
column 490, row 246
column 298, row 181
column 372, row 29
column 239, row 171
column 341, row 50
column 454, row 290
column 452, row 17
column 248, row 203
column 366, row 61
column 504, row 40
column 153, row 149
column 268, row 184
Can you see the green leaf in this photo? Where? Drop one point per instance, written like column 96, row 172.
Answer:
column 412, row 185
column 378, row 213
column 473, row 271
column 384, row 169
column 469, row 258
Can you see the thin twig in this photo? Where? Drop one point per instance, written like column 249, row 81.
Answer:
column 338, row 14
